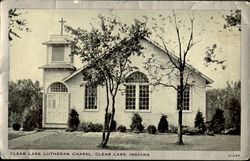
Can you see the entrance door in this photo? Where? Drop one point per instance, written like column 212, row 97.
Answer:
column 57, row 104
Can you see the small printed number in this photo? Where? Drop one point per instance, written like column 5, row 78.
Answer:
column 234, row 155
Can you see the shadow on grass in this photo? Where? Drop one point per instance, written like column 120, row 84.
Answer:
column 13, row 136
column 17, row 135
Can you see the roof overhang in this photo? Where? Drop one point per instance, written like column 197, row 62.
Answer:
column 55, row 42
column 58, row 66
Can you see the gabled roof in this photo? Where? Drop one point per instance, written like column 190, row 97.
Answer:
column 73, row 74
column 208, row 80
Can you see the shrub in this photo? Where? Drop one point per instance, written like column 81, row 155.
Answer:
column 96, row 128
column 232, row 131
column 16, row 126
column 15, row 118
column 218, row 121
column 173, row 129
column 90, row 127
column 73, row 120
column 121, row 128
column 32, row 119
column 163, row 124
column 136, row 125
column 151, row 129
column 186, row 130
column 199, row 123
column 113, row 123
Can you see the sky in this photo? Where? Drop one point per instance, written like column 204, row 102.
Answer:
column 28, row 54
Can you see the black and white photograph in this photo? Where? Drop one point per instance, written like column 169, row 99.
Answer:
column 124, row 83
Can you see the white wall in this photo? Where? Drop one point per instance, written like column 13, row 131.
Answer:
column 163, row 100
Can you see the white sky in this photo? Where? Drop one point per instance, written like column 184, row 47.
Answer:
column 28, row 54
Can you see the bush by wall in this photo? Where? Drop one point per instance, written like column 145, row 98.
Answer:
column 186, row 130
column 199, row 123
column 121, row 128
column 90, row 127
column 136, row 124
column 151, row 129
column 173, row 129
column 16, row 126
column 32, row 119
column 73, row 120
column 163, row 124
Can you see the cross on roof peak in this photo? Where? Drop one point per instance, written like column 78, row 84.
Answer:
column 62, row 22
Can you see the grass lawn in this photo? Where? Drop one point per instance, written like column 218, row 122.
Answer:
column 15, row 134
column 58, row 139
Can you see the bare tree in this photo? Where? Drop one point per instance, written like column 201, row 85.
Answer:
column 167, row 73
column 176, row 69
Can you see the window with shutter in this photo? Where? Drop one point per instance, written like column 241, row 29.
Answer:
column 58, row 53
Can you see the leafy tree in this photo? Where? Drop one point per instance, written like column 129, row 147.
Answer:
column 218, row 122
column 106, row 50
column 227, row 99
column 17, row 23
column 24, row 94
column 210, row 57
column 32, row 119
column 233, row 20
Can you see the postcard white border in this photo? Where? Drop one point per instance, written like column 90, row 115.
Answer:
column 77, row 4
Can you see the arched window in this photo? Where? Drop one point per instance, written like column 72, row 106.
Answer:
column 137, row 92
column 57, row 87
column 137, row 77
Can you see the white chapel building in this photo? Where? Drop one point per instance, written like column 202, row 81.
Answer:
column 62, row 91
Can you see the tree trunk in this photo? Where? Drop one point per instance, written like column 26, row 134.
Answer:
column 105, row 116
column 106, row 139
column 179, row 140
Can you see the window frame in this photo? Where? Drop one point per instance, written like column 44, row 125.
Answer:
column 189, row 101
column 56, row 98
column 137, row 96
column 97, row 102
column 64, row 54
column 130, row 84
